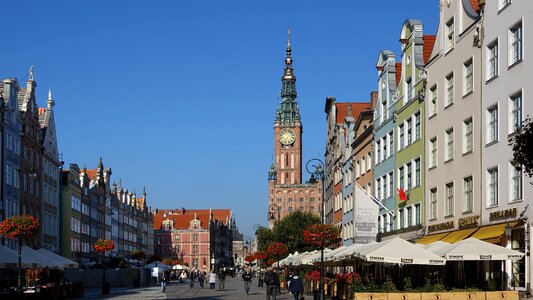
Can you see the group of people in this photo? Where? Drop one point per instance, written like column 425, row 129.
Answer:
column 270, row 278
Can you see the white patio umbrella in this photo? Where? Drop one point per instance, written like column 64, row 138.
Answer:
column 297, row 260
column 65, row 262
column 331, row 255
column 435, row 246
column 474, row 249
column 350, row 251
column 310, row 258
column 398, row 251
column 9, row 259
column 38, row 258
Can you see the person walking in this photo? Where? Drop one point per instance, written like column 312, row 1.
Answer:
column 201, row 278
column 260, row 278
column 296, row 286
column 272, row 282
column 221, row 279
column 163, row 282
column 247, row 279
column 192, row 276
column 183, row 275
column 212, row 279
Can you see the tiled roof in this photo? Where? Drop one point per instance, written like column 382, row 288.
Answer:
column 91, row 174
column 398, row 73
column 183, row 217
column 357, row 108
column 429, row 41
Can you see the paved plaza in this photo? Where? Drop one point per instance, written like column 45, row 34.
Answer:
column 234, row 290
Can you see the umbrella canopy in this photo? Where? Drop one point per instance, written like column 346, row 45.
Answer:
column 38, row 258
column 435, row 246
column 297, row 260
column 330, row 255
column 349, row 252
column 157, row 264
column 180, row 267
column 9, row 259
column 398, row 251
column 474, row 249
column 65, row 262
column 315, row 255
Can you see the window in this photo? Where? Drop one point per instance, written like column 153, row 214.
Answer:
column 492, row 60
column 409, row 83
column 378, row 189
column 357, row 169
column 515, row 44
column 433, row 152
column 391, row 184
column 290, row 200
column 449, row 199
column 9, row 171
column 492, row 187
column 409, row 216
column 401, row 225
column 363, row 166
column 515, row 112
column 417, row 172
column 503, row 3
column 384, row 143
column 468, row 84
column 391, row 143
column 449, row 34
column 301, row 199
column 433, row 101
column 468, row 201
column 449, row 144
column 290, row 208
column 368, row 161
column 492, row 126
column 378, row 151
column 417, row 214
column 448, row 99
column 516, row 182
column 409, row 131
column 409, row 176
column 417, row 126
column 401, row 133
column 467, row 136
column 401, row 181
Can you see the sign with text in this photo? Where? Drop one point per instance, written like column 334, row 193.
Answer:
column 365, row 217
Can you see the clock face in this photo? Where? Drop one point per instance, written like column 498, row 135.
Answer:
column 287, row 137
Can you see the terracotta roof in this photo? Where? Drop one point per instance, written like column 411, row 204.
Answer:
column 429, row 41
column 398, row 73
column 91, row 174
column 182, row 218
column 357, row 108
column 475, row 5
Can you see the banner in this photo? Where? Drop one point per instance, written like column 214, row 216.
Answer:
column 366, row 213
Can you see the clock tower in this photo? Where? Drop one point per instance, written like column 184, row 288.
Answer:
column 286, row 191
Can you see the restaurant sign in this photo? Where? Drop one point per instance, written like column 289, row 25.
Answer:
column 468, row 222
column 441, row 226
column 503, row 214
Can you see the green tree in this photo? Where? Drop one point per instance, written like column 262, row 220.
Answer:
column 289, row 231
column 522, row 143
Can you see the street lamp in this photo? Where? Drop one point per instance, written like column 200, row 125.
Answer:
column 318, row 175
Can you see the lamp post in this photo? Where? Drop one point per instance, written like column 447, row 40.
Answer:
column 30, row 159
column 318, row 175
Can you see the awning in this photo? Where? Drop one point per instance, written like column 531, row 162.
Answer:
column 458, row 235
column 428, row 239
column 492, row 233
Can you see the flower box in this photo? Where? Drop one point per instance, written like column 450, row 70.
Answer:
column 513, row 295
column 404, row 296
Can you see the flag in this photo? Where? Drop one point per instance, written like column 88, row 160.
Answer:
column 401, row 193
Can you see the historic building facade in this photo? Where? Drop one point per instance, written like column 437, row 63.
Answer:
column 287, row 193
column 409, row 115
column 505, row 81
column 92, row 208
column 452, row 117
column 389, row 73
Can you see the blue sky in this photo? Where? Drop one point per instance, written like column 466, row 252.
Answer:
column 180, row 96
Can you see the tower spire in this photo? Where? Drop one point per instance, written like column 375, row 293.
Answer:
column 288, row 111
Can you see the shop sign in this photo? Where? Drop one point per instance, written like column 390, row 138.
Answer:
column 503, row 214
column 441, row 226
column 468, row 222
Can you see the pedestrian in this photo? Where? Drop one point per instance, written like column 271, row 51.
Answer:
column 272, row 282
column 221, row 279
column 212, row 279
column 201, row 278
column 163, row 282
column 247, row 279
column 296, row 286
column 192, row 276
column 260, row 278
column 182, row 276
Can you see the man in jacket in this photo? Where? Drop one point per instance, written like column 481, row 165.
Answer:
column 296, row 286
column 247, row 279
column 272, row 282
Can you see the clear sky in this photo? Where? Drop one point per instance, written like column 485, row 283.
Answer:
column 180, row 96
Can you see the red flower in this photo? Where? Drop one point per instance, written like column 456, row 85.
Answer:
column 277, row 249
column 260, row 255
column 321, row 235
column 102, row 245
column 249, row 258
column 23, row 226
